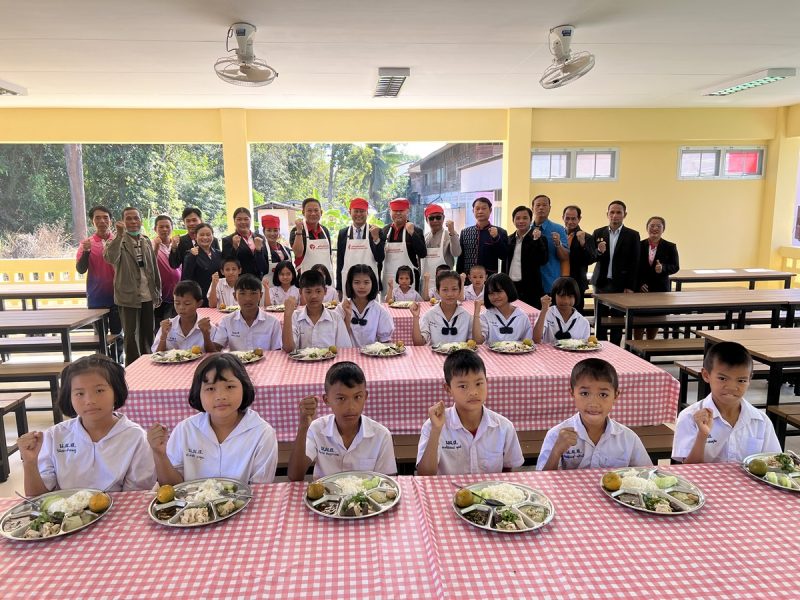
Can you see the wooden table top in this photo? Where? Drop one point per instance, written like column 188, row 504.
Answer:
column 20, row 321
column 711, row 275
column 721, row 298
column 14, row 291
column 767, row 345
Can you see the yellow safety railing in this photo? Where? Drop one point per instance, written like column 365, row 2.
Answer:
column 37, row 271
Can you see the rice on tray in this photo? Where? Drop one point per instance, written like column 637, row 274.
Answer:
column 350, row 485
column 504, row 492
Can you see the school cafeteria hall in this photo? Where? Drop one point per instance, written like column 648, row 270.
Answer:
column 399, row 300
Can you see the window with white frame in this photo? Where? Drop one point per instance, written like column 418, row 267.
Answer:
column 580, row 164
column 721, row 163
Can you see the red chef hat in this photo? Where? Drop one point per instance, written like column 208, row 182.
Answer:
column 399, row 204
column 433, row 209
column 359, row 203
column 270, row 222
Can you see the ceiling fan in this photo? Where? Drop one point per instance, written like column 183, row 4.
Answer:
column 243, row 68
column 567, row 65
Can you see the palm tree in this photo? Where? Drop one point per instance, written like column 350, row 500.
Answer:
column 384, row 161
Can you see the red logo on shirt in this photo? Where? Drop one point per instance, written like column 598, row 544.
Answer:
column 311, row 246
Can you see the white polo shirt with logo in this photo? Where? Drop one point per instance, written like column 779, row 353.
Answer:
column 177, row 341
column 329, row 330
column 234, row 332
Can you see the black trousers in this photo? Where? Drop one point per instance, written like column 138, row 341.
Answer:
column 614, row 334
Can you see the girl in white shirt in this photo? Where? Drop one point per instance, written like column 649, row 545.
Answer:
column 445, row 322
column 404, row 290
column 502, row 321
column 284, row 283
column 562, row 321
column 366, row 320
column 330, row 291
column 226, row 438
column 100, row 448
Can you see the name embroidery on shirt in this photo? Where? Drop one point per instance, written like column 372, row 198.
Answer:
column 196, row 453
column 328, row 451
column 452, row 445
column 67, row 448
column 573, row 453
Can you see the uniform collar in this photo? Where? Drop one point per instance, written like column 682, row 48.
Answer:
column 261, row 316
column 612, row 428
column 744, row 409
column 176, row 323
column 488, row 420
column 249, row 420
column 303, row 316
column 365, row 430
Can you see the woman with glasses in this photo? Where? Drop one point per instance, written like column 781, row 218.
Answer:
column 442, row 242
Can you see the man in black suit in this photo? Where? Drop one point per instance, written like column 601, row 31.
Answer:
column 582, row 250
column 246, row 246
column 617, row 261
column 358, row 243
column 192, row 217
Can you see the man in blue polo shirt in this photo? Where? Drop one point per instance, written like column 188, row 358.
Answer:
column 556, row 237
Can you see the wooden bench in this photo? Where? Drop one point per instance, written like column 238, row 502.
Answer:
column 657, row 440
column 665, row 347
column 11, row 402
column 783, row 415
column 49, row 373
column 81, row 341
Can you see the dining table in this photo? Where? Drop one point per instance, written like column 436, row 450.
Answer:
column 730, row 275
column 58, row 321
column 39, row 291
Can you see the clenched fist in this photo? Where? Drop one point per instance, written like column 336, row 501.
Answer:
column 236, row 240
column 166, row 325
column 195, row 250
column 289, row 305
column 493, row 232
column 436, row 415
column 308, row 409
column 30, row 444
column 410, row 228
column 601, row 245
column 451, row 229
column 567, row 438
column 87, row 245
column 298, row 225
column 157, row 437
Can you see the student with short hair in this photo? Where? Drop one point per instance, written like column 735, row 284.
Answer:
column 284, row 283
column 724, row 426
column 477, row 278
column 427, row 293
column 366, row 320
column 562, row 321
column 313, row 325
column 249, row 327
column 222, row 292
column 330, row 292
column 346, row 440
column 501, row 321
column 405, row 290
column 467, row 437
column 226, row 438
column 186, row 330
column 445, row 322
column 590, row 438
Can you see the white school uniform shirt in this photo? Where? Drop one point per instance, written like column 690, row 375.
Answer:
column 433, row 321
column 249, row 453
column 264, row 333
column 224, row 293
column 401, row 296
column 469, row 293
column 277, row 295
column 379, row 326
column 577, row 326
column 121, row 461
column 330, row 294
column 329, row 330
column 494, row 447
column 752, row 433
column 371, row 450
column 176, row 339
column 618, row 447
column 492, row 321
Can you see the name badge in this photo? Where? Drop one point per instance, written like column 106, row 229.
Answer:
column 195, row 453
column 452, row 445
column 326, row 451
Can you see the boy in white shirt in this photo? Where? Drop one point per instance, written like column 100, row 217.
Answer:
column 249, row 327
column 222, row 291
column 477, row 279
column 445, row 322
column 562, row 321
column 346, row 440
column 186, row 330
column 724, row 427
column 590, row 439
column 467, row 437
column 313, row 326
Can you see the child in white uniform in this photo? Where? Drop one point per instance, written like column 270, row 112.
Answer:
column 221, row 292
column 467, row 437
column 284, row 283
column 404, row 290
column 366, row 320
column 724, row 427
column 346, row 440
column 476, row 287
column 330, row 291
column 312, row 326
column 502, row 321
column 185, row 330
column 225, row 438
column 561, row 321
column 445, row 322
column 99, row 449
column 429, row 294
column 590, row 439
column 249, row 327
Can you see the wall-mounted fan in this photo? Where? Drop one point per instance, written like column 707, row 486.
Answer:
column 243, row 68
column 567, row 66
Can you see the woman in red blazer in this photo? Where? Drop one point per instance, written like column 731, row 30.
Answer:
column 658, row 259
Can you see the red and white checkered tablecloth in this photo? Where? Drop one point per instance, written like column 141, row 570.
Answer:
column 741, row 544
column 276, row 548
column 532, row 390
column 401, row 316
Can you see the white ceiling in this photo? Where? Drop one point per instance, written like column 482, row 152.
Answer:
column 462, row 53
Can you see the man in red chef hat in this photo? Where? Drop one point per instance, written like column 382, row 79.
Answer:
column 441, row 241
column 358, row 244
column 405, row 244
column 276, row 252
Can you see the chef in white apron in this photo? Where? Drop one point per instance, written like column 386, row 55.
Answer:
column 315, row 246
column 396, row 248
column 276, row 252
column 358, row 244
column 448, row 246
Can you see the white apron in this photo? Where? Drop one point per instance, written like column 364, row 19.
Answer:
column 435, row 258
column 318, row 252
column 357, row 252
column 396, row 257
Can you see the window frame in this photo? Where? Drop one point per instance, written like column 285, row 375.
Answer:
column 572, row 160
column 722, row 152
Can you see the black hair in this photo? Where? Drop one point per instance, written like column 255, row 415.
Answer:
column 594, row 368
column 127, row 208
column 310, row 279
column 219, row 362
column 663, row 222
column 191, row 210
column 202, row 225
column 111, row 371
column 522, row 209
column 440, row 277
column 404, row 269
column 477, row 266
column 577, row 209
column 163, row 218
column 248, row 282
column 307, row 200
column 324, row 270
column 462, row 362
column 347, row 373
column 727, row 353
column 284, row 264
column 620, row 202
column 565, row 286
column 361, row 270
column 483, row 199
column 443, row 267
column 98, row 208
column 242, row 209
column 229, row 259
column 187, row 287
column 537, row 196
column 499, row 282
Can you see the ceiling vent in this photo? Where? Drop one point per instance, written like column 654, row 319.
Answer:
column 390, row 80
column 10, row 89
